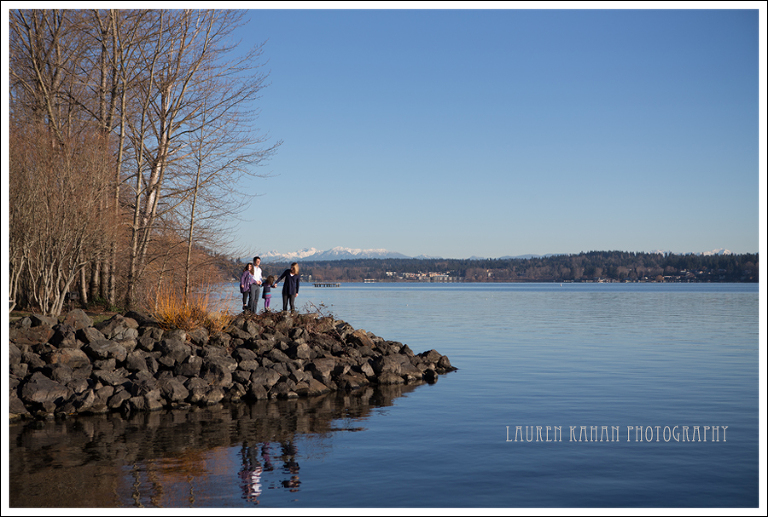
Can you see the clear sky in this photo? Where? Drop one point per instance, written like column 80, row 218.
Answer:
column 493, row 132
column 508, row 132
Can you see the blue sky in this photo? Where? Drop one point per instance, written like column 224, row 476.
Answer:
column 507, row 132
column 494, row 132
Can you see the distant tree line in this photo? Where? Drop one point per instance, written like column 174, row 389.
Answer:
column 615, row 266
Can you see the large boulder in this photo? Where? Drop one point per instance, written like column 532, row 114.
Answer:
column 30, row 335
column 38, row 320
column 173, row 390
column 265, row 377
column 78, row 319
column 72, row 357
column 119, row 327
column 174, row 349
column 386, row 364
column 216, row 372
column 105, row 350
column 64, row 336
column 39, row 389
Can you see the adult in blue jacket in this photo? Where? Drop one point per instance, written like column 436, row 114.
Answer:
column 290, row 286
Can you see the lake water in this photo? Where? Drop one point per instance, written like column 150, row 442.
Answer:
column 665, row 359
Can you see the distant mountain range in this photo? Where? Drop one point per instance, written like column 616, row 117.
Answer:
column 718, row 251
column 340, row 253
column 337, row 253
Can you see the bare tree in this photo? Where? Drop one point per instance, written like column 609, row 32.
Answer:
column 188, row 85
column 158, row 98
column 55, row 187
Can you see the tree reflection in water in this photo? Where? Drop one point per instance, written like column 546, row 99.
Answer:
column 183, row 457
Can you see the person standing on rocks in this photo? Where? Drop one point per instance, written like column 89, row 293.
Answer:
column 256, row 286
column 267, row 288
column 290, row 286
column 246, row 279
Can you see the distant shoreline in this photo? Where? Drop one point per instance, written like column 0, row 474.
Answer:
column 592, row 267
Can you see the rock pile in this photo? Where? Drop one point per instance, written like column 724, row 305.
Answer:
column 129, row 364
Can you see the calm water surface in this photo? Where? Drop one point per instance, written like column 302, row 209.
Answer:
column 593, row 355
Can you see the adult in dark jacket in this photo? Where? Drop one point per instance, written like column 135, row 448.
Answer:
column 290, row 286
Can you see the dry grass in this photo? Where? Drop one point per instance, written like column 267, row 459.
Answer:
column 201, row 310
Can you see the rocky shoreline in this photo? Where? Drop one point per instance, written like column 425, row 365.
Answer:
column 130, row 364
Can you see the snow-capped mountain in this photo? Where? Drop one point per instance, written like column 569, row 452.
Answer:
column 340, row 253
column 276, row 256
column 337, row 253
column 718, row 251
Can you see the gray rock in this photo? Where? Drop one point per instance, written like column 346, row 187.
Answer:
column 135, row 404
column 64, row 336
column 78, row 386
column 433, row 356
column 105, row 350
column 387, row 378
column 199, row 336
column 317, row 388
column 146, row 343
column 72, row 357
column 60, row 373
column 252, row 328
column 214, row 396
column 152, row 364
column 190, row 367
column 244, row 354
column 78, row 319
column 198, row 388
column 14, row 354
column 352, row 381
column 152, row 401
column 360, row 338
column 216, row 372
column 31, row 335
column 32, row 359
column 213, row 351
column 84, row 402
column 249, row 365
column 105, row 364
column 283, row 390
column 236, row 392
column 153, row 333
column 116, row 327
column 300, row 351
column 89, row 335
column 40, row 389
column 265, row 377
column 386, row 364
column 141, row 319
column 128, row 343
column 105, row 392
column 110, row 377
column 257, row 392
column 16, row 408
column 175, row 349
column 173, row 390
column 242, row 377
column 366, row 369
column 136, row 361
column 38, row 320
column 19, row 370
column 219, row 339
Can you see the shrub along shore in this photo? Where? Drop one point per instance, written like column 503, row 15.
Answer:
column 129, row 363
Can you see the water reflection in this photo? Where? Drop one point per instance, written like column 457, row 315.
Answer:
column 215, row 456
